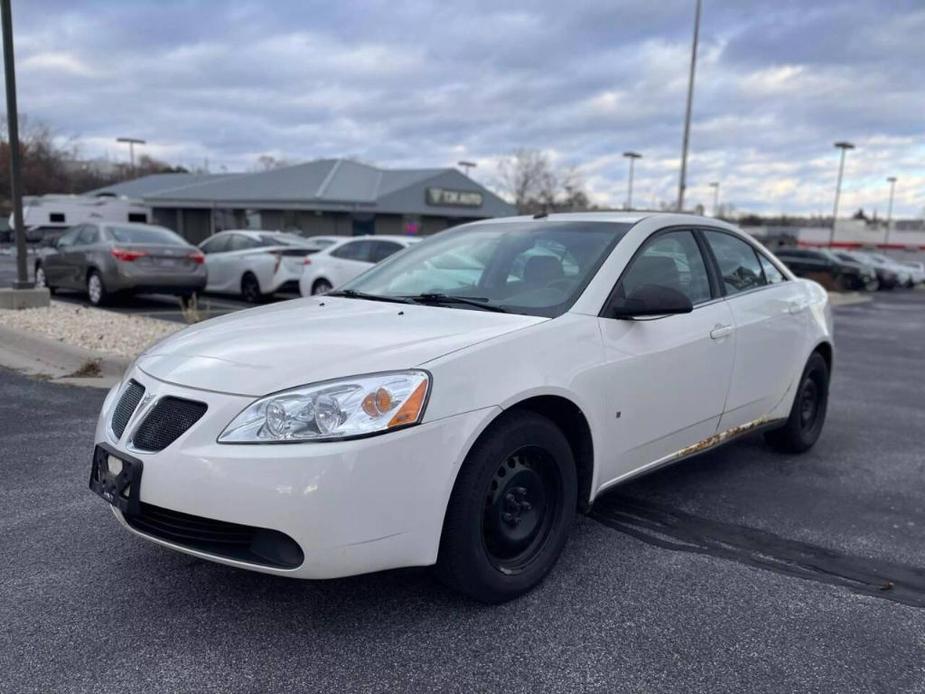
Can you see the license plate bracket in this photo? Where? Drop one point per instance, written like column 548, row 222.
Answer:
column 116, row 477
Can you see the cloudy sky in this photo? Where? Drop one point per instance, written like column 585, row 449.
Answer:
column 414, row 83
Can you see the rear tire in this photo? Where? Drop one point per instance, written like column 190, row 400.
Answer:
column 807, row 416
column 250, row 289
column 96, row 290
column 511, row 510
column 321, row 286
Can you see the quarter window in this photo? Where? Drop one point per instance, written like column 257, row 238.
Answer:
column 670, row 260
column 771, row 273
column 738, row 262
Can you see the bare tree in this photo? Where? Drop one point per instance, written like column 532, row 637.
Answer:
column 527, row 176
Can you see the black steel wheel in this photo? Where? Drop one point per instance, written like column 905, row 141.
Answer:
column 511, row 510
column 807, row 415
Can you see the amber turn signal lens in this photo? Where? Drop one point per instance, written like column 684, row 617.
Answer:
column 410, row 410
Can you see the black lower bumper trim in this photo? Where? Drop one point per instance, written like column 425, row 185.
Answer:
column 219, row 538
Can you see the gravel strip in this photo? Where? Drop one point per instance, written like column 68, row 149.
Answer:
column 90, row 328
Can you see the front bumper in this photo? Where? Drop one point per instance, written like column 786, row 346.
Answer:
column 351, row 506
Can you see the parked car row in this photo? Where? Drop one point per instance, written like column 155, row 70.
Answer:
column 104, row 259
column 850, row 270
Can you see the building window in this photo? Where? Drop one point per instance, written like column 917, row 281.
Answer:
column 56, row 217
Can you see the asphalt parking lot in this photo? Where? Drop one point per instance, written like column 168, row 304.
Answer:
column 741, row 570
column 158, row 306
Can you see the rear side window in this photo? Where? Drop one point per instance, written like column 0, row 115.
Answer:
column 355, row 250
column 88, row 234
column 669, row 260
column 739, row 267
column 382, row 250
column 240, row 242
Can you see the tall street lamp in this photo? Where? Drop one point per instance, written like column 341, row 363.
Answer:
column 632, row 156
column 682, row 183
column 889, row 210
column 844, row 147
column 131, row 142
column 715, row 186
column 466, row 166
column 12, row 126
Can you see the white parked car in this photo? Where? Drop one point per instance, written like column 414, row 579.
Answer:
column 256, row 264
column 916, row 271
column 457, row 404
column 341, row 262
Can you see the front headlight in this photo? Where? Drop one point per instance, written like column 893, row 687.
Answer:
column 339, row 409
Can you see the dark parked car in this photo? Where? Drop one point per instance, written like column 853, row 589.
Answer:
column 888, row 275
column 829, row 269
column 106, row 259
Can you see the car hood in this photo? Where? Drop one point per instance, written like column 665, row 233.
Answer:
column 291, row 343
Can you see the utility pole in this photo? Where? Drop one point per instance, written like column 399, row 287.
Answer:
column 889, row 212
column 131, row 142
column 632, row 156
column 12, row 118
column 682, row 183
column 844, row 147
column 466, row 166
column 715, row 186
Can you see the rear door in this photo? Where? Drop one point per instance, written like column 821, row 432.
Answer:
column 769, row 313
column 667, row 377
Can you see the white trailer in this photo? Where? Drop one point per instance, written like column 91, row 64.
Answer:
column 52, row 214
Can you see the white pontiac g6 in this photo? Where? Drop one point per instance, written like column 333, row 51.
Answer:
column 458, row 403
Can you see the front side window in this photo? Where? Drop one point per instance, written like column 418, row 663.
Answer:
column 739, row 267
column 382, row 250
column 536, row 268
column 68, row 237
column 670, row 260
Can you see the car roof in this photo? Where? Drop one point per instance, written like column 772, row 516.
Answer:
column 665, row 218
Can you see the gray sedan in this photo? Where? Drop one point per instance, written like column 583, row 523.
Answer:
column 105, row 259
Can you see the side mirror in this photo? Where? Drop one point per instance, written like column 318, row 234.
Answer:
column 651, row 300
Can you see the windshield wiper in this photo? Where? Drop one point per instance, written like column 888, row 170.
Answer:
column 354, row 294
column 477, row 301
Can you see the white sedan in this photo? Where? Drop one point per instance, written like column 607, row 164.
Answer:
column 341, row 262
column 256, row 264
column 460, row 402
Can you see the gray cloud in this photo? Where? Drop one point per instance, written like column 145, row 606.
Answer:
column 420, row 83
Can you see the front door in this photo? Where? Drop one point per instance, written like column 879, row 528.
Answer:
column 666, row 377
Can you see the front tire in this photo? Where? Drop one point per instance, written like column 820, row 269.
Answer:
column 250, row 289
column 41, row 280
column 96, row 290
column 321, row 286
column 511, row 510
column 807, row 415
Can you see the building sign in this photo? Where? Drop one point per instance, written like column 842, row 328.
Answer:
column 453, row 198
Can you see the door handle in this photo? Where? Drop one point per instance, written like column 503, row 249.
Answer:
column 721, row 331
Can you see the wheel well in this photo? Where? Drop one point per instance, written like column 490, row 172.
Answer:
column 571, row 420
column 90, row 271
column 825, row 350
column 320, row 279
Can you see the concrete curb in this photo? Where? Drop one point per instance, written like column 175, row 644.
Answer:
column 38, row 355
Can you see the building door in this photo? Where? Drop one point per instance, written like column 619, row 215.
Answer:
column 364, row 225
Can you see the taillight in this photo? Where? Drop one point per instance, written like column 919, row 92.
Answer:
column 197, row 257
column 279, row 259
column 126, row 254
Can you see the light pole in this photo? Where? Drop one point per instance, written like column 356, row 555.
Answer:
column 12, row 121
column 682, row 183
column 632, row 156
column 466, row 166
column 844, row 147
column 889, row 210
column 715, row 186
column 131, row 142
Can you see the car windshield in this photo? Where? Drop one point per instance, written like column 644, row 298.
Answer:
column 535, row 268
column 157, row 235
